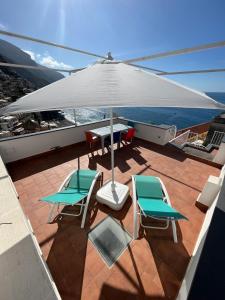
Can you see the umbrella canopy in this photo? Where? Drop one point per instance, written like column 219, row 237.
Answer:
column 111, row 84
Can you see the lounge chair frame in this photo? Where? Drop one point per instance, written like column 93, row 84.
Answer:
column 83, row 204
column 138, row 214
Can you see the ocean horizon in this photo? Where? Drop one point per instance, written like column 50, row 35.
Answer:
column 181, row 117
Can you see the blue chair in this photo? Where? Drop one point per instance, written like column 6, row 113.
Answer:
column 116, row 139
column 131, row 124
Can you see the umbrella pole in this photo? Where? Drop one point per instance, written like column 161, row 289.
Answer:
column 113, row 194
column 112, row 150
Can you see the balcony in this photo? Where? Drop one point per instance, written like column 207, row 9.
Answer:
column 153, row 266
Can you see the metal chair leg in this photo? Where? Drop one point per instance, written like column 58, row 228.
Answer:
column 84, row 214
column 136, row 225
column 174, row 231
column 51, row 213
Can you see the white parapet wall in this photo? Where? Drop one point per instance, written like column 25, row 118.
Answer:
column 16, row 148
column 24, row 273
column 220, row 155
column 160, row 135
column 192, row 266
column 12, row 149
column 189, row 275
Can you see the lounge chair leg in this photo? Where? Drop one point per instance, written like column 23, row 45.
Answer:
column 136, row 226
column 174, row 231
column 51, row 213
column 84, row 214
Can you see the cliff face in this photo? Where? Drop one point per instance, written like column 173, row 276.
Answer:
column 12, row 85
column 16, row 82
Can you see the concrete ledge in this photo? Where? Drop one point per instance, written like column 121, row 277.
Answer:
column 24, row 273
column 208, row 282
column 204, row 278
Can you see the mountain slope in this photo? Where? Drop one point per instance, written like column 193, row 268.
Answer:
column 39, row 78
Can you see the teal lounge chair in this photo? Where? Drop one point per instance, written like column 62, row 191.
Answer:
column 153, row 201
column 75, row 190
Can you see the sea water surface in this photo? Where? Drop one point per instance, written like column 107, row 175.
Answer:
column 180, row 117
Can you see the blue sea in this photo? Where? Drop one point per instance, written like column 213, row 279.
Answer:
column 180, row 117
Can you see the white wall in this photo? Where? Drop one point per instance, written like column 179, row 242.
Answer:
column 220, row 155
column 12, row 149
column 36, row 143
column 155, row 134
column 158, row 134
column 190, row 272
column 24, row 273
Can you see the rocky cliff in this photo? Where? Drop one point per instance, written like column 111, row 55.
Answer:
column 16, row 82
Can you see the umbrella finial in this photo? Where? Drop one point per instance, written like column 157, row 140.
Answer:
column 109, row 56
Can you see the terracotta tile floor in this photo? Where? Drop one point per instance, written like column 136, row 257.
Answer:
column 153, row 266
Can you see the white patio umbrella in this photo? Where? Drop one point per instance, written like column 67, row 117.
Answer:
column 111, row 84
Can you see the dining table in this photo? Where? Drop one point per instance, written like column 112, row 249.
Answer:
column 104, row 132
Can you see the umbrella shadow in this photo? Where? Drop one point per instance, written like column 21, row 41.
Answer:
column 116, row 214
column 165, row 150
column 54, row 158
column 122, row 156
column 171, row 259
column 116, row 293
column 45, row 161
column 67, row 256
column 66, row 259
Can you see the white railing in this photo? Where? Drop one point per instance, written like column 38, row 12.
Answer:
column 183, row 138
column 193, row 138
column 217, row 138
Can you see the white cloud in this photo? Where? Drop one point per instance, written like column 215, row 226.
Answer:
column 47, row 60
column 31, row 53
column 51, row 62
column 3, row 27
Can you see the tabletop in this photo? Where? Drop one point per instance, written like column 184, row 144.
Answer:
column 104, row 131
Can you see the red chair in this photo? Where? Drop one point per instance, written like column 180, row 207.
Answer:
column 128, row 136
column 91, row 139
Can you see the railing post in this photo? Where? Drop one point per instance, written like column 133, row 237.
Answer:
column 74, row 117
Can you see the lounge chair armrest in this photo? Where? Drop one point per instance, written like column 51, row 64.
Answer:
column 166, row 197
column 66, row 181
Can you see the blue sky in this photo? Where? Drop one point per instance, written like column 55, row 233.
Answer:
column 128, row 28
